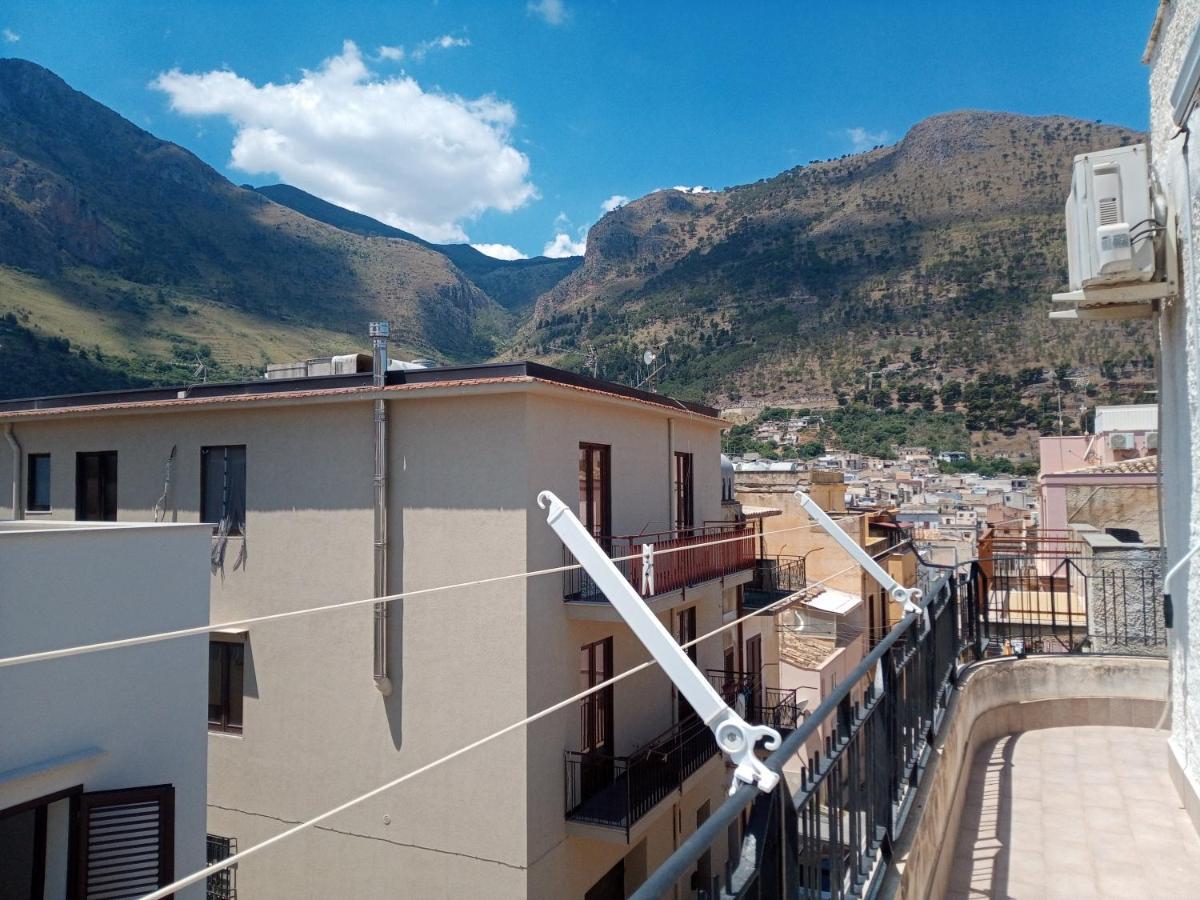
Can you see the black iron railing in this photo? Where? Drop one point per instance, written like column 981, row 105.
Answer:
column 824, row 835
column 221, row 885
column 782, row 710
column 755, row 702
column 1070, row 604
column 775, row 577
column 828, row 832
column 617, row 791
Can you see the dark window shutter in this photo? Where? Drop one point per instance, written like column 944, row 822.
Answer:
column 124, row 842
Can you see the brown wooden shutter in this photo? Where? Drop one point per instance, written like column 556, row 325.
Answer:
column 124, row 842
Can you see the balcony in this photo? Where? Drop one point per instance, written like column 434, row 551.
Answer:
column 775, row 578
column 757, row 703
column 617, row 791
column 960, row 776
column 682, row 559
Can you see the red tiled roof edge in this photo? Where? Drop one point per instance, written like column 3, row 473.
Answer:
column 192, row 402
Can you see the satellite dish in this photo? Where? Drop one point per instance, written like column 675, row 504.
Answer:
column 648, row 357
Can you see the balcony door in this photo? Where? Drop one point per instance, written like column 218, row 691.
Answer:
column 754, row 666
column 685, row 514
column 96, row 486
column 685, row 630
column 596, row 716
column 595, row 489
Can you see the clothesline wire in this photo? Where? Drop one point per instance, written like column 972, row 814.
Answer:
column 241, row 624
column 507, row 729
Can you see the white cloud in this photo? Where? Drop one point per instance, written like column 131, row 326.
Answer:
column 563, row 246
column 616, row 201
column 553, row 11
column 500, row 251
column 393, row 54
column 862, row 140
column 445, row 42
column 10, row 36
column 420, row 160
column 694, row 189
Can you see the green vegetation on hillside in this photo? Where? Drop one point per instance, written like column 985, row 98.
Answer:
column 856, row 428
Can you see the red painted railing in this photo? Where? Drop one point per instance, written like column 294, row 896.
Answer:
column 692, row 556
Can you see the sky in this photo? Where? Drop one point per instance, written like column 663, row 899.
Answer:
column 516, row 125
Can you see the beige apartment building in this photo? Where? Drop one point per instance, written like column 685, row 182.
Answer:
column 308, row 712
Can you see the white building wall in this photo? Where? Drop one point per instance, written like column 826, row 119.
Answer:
column 1178, row 173
column 123, row 718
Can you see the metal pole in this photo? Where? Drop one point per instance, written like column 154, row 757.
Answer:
column 380, row 331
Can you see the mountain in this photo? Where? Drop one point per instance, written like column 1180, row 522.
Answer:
column 141, row 262
column 514, row 284
column 895, row 269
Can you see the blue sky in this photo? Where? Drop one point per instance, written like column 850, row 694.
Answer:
column 512, row 123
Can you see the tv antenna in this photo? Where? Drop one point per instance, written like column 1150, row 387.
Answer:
column 200, row 373
column 648, row 358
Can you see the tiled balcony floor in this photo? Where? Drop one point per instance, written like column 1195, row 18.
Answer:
column 1074, row 812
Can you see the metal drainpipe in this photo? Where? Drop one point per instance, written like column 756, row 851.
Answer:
column 15, row 446
column 379, row 340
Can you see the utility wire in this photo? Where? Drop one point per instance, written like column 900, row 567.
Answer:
column 529, row 720
column 61, row 653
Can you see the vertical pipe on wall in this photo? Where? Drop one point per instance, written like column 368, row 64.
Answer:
column 15, row 447
column 379, row 364
column 672, row 524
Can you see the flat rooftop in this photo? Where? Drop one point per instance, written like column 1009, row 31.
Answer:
column 331, row 385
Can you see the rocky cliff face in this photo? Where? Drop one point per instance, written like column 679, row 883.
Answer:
column 948, row 243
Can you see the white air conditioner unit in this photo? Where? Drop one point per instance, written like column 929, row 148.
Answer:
column 1109, row 219
column 1151, row 440
column 1112, row 228
column 1120, row 440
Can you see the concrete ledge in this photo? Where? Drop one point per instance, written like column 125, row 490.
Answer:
column 1007, row 696
column 1184, row 786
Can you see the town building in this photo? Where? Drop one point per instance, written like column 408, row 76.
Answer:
column 103, row 755
column 335, row 488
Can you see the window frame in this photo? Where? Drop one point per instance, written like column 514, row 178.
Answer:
column 685, row 491
column 223, row 724
column 103, row 484
column 32, row 467
column 206, row 454
column 597, row 710
column 603, row 528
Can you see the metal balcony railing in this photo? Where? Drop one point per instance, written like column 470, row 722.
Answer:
column 755, row 702
column 827, row 832
column 775, row 577
column 682, row 558
column 616, row 791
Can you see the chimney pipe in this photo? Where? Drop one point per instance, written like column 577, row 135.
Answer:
column 380, row 332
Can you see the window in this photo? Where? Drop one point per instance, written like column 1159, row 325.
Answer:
column 223, row 487
column 226, row 662
column 596, row 713
column 685, row 516
column 595, row 491
column 96, row 486
column 221, row 885
column 37, row 497
column 685, row 630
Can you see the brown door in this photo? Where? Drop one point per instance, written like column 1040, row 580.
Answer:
column 96, row 486
column 685, row 516
column 754, row 670
column 686, row 631
column 595, row 489
column 596, row 717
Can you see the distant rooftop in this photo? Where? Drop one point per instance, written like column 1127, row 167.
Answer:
column 334, row 385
